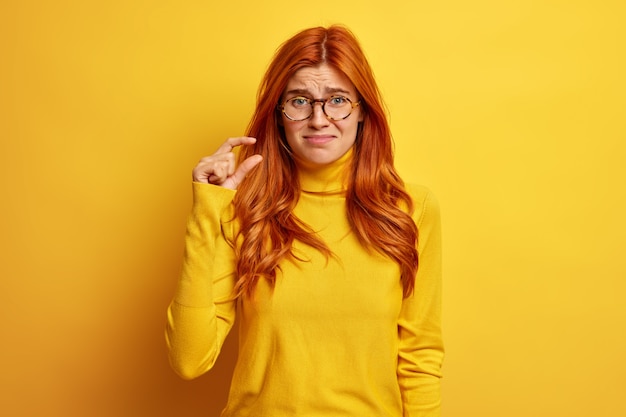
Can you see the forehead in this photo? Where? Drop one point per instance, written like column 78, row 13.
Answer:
column 319, row 80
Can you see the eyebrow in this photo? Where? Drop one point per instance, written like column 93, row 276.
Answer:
column 304, row 91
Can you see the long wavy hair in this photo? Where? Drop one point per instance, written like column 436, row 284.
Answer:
column 377, row 204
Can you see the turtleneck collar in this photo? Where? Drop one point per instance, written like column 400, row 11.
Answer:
column 329, row 178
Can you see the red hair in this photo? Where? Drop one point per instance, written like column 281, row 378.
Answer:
column 377, row 203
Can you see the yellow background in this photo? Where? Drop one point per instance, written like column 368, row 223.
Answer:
column 511, row 111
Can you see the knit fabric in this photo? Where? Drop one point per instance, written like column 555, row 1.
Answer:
column 334, row 337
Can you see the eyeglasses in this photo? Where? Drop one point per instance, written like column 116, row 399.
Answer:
column 301, row 108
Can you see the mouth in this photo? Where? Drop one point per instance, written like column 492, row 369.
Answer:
column 318, row 139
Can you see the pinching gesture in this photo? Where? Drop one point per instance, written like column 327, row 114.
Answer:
column 220, row 168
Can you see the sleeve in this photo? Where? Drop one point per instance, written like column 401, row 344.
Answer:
column 202, row 311
column 421, row 350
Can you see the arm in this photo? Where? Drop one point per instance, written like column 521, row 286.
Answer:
column 419, row 327
column 202, row 313
column 203, row 310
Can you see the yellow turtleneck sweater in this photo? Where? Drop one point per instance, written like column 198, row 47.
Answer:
column 334, row 338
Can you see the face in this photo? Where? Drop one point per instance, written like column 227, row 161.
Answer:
column 319, row 141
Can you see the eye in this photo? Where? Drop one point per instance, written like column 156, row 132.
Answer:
column 337, row 100
column 299, row 101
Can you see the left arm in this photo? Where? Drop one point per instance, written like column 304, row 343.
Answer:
column 421, row 350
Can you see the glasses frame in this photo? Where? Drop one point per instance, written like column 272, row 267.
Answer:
column 312, row 102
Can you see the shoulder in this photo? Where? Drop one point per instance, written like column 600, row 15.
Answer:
column 425, row 204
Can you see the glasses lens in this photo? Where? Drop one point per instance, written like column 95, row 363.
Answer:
column 338, row 107
column 297, row 108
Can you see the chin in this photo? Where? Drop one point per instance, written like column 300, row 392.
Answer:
column 319, row 159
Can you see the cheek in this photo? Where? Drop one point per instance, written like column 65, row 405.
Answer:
column 292, row 131
column 351, row 129
column 291, row 136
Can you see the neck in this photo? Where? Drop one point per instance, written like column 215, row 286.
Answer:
column 327, row 178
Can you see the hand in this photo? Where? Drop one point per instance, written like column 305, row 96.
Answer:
column 220, row 168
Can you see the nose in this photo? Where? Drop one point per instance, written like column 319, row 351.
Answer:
column 318, row 118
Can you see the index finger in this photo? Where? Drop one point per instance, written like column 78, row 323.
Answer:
column 232, row 143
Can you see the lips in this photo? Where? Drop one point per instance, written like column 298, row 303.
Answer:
column 318, row 139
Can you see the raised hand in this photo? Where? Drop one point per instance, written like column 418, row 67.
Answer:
column 220, row 168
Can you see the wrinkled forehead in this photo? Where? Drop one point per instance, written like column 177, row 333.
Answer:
column 318, row 82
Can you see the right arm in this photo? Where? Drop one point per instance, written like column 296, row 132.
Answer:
column 203, row 309
column 201, row 315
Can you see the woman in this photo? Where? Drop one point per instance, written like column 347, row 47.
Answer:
column 316, row 251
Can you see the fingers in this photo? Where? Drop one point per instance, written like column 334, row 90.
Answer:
column 244, row 168
column 220, row 168
column 215, row 168
column 221, row 171
column 232, row 143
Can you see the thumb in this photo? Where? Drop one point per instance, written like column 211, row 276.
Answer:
column 244, row 168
